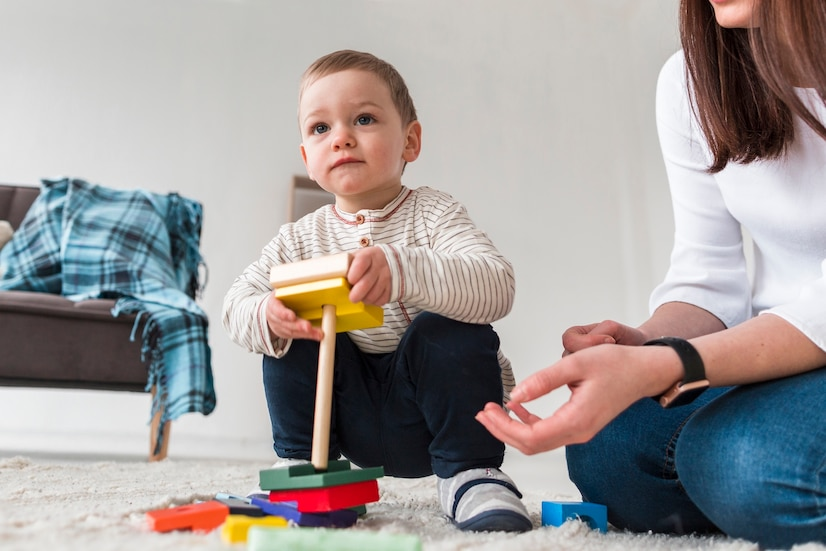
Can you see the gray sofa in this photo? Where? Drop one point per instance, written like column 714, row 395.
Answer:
column 49, row 341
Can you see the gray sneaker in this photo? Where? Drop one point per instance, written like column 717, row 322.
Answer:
column 483, row 500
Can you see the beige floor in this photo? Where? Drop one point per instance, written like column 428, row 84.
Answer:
column 544, row 472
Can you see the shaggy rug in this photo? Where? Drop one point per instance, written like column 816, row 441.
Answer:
column 101, row 505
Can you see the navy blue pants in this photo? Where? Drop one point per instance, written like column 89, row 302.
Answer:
column 410, row 411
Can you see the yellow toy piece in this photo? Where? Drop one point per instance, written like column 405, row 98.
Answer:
column 306, row 300
column 236, row 527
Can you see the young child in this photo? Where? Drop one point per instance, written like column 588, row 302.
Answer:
column 406, row 393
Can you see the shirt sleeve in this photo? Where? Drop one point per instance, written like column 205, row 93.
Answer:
column 244, row 307
column 460, row 274
column 806, row 313
column 708, row 267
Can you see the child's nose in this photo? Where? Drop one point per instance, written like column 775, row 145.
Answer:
column 343, row 138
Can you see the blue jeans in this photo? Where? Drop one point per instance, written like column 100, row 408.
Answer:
column 410, row 411
column 748, row 461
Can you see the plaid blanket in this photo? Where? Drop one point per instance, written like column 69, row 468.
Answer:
column 87, row 241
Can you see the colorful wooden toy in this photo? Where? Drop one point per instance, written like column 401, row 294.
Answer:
column 340, row 518
column 345, row 496
column 317, row 289
column 555, row 513
column 236, row 527
column 320, row 539
column 198, row 517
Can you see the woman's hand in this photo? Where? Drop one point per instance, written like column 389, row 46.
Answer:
column 369, row 275
column 284, row 323
column 604, row 381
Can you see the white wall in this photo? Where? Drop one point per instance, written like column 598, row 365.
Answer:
column 538, row 114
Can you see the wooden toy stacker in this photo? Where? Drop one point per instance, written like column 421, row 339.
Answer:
column 317, row 290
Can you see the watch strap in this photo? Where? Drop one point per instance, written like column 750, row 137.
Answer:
column 693, row 367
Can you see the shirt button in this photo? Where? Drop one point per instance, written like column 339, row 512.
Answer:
column 359, row 219
column 364, row 241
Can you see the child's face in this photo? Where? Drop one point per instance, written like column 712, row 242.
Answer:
column 354, row 143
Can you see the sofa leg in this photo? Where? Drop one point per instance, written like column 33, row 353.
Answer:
column 153, row 435
column 153, row 438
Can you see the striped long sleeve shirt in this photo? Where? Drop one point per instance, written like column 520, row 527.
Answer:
column 440, row 262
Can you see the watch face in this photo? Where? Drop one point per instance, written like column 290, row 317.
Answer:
column 681, row 394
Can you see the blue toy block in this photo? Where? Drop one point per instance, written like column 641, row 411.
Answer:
column 555, row 513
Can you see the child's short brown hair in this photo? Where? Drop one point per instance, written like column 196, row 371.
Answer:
column 344, row 60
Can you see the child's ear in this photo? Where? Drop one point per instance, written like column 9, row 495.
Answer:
column 413, row 143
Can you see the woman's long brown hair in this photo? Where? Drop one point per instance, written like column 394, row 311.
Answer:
column 743, row 80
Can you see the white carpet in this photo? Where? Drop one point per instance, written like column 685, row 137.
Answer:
column 89, row 505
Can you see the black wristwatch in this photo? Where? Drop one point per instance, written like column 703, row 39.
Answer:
column 694, row 382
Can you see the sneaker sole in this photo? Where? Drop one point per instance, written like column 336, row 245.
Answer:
column 496, row 521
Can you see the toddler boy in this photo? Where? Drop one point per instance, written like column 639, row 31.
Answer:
column 406, row 393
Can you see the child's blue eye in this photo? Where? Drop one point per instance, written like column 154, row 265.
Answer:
column 364, row 120
column 320, row 129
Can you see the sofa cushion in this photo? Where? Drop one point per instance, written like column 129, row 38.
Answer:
column 119, row 241
column 81, row 240
column 31, row 260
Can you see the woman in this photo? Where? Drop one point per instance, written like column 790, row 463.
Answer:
column 740, row 112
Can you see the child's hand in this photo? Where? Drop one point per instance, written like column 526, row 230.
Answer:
column 369, row 275
column 285, row 324
column 580, row 337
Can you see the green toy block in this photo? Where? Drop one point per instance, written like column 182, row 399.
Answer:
column 260, row 538
column 299, row 477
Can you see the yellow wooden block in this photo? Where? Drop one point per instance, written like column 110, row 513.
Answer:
column 306, row 300
column 236, row 527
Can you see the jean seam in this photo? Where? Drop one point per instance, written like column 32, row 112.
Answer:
column 670, row 461
column 820, row 505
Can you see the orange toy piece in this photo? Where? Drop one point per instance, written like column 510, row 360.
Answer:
column 199, row 517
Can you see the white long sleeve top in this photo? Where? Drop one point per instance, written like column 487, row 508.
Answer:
column 440, row 262
column 781, row 204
